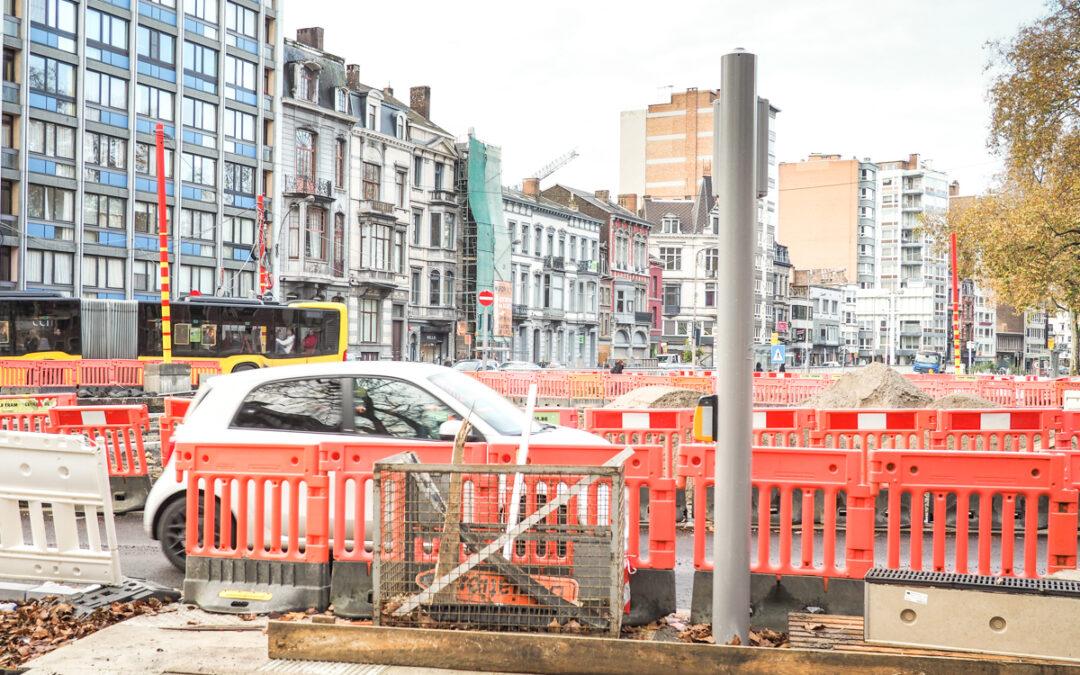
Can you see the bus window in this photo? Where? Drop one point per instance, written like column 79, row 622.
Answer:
column 318, row 332
column 43, row 326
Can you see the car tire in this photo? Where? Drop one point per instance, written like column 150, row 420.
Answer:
column 241, row 367
column 171, row 529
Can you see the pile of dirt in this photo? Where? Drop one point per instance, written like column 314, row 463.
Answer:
column 35, row 628
column 656, row 396
column 872, row 386
column 961, row 402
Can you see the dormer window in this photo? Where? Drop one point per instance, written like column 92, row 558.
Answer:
column 309, row 83
column 341, row 100
column 399, row 129
column 669, row 224
column 371, row 116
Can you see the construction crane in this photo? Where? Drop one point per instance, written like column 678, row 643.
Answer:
column 554, row 165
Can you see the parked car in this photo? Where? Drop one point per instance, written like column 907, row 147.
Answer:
column 476, row 364
column 384, row 402
column 831, row 364
column 519, row 365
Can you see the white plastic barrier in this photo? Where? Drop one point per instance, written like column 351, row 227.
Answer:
column 52, row 490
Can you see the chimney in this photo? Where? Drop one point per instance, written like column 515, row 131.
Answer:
column 352, row 76
column 420, row 100
column 388, row 90
column 530, row 186
column 312, row 37
column 913, row 161
column 629, row 202
column 602, row 194
column 954, row 188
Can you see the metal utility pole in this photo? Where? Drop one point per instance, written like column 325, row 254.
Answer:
column 735, row 178
column 955, row 303
column 163, row 244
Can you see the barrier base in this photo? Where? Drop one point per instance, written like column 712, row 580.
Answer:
column 351, row 590
column 237, row 586
column 128, row 591
column 167, row 378
column 652, row 596
column 129, row 492
column 772, row 597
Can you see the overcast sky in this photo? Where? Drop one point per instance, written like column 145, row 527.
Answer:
column 538, row 78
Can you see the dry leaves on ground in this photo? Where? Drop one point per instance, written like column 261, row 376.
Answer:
column 759, row 637
column 38, row 627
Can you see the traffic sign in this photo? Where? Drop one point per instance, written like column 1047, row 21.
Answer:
column 486, row 298
column 775, row 339
column 778, row 354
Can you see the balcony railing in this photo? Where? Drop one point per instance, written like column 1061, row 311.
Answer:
column 588, row 266
column 444, row 196
column 375, row 206
column 553, row 314
column 671, row 310
column 553, row 262
column 306, row 185
column 643, row 317
column 520, row 311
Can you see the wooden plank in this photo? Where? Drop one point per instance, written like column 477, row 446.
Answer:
column 537, row 653
column 845, row 634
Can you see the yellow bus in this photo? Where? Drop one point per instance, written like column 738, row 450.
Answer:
column 238, row 334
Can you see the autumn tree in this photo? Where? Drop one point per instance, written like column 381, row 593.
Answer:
column 1022, row 238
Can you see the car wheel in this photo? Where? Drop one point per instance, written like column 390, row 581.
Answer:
column 172, row 532
column 241, row 367
column 172, row 529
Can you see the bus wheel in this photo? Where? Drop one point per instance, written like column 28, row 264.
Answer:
column 241, row 367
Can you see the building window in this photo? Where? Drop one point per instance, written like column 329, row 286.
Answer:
column 341, row 100
column 538, row 236
column 105, row 30
column 449, row 231
column 239, row 179
column 154, row 102
column 417, row 226
column 294, row 234
column 156, row 46
column 239, row 231
column 104, row 211
column 338, row 268
column 371, row 181
column 369, row 320
column 241, row 126
column 669, row 225
column 316, row 234
column 448, row 284
column 434, row 288
column 670, row 257
column 240, row 80
column 672, row 295
column 201, row 115
column 58, row 16
column 200, row 67
column 50, row 203
column 399, row 252
column 49, row 267
column 51, row 140
column 418, row 170
column 146, row 217
column 102, row 272
column 399, row 183
column 106, row 90
column 440, row 169
column 53, row 77
column 710, row 294
column 712, row 261
column 399, row 127
column 197, row 225
column 436, row 230
column 202, row 9
column 196, row 278
column 146, row 160
column 339, row 163
column 241, row 20
column 198, row 169
column 371, row 116
column 305, row 154
column 147, row 276
column 375, row 246
column 414, row 287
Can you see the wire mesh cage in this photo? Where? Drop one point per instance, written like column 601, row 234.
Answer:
column 445, row 557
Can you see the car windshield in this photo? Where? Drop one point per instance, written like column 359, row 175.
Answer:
column 502, row 415
column 927, row 358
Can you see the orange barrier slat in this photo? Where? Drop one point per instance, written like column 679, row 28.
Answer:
column 119, row 428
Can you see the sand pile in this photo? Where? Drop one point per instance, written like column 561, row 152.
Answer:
column 656, row 396
column 873, row 386
column 961, row 402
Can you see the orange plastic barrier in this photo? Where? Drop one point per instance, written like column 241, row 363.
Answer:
column 16, row 373
column 56, row 374
column 1026, row 430
column 201, row 368
column 617, row 385
column 119, row 427
column 873, row 429
column 953, row 481
column 30, row 412
column 589, row 386
column 669, row 428
column 265, row 488
column 564, row 417
column 783, row 427
column 780, row 472
column 643, row 470
column 1068, row 439
column 175, row 410
column 127, row 373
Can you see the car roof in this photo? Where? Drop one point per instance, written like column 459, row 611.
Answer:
column 248, row 379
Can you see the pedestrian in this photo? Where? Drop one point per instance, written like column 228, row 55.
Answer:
column 618, row 367
column 757, row 368
column 783, row 368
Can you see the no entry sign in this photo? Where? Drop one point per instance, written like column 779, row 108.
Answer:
column 485, row 298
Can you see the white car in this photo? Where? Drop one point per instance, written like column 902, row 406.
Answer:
column 388, row 402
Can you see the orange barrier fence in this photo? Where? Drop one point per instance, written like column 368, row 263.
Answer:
column 175, row 409
column 87, row 372
column 943, row 511
column 563, row 417
column 119, row 428
column 30, row 412
column 668, row 428
column 780, row 389
column 1027, row 430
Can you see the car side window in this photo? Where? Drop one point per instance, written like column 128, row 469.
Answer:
column 389, row 407
column 312, row 405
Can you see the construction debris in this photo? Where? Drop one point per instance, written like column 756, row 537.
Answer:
column 873, row 386
column 39, row 627
column 656, row 396
column 961, row 401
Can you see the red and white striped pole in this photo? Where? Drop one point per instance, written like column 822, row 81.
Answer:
column 955, row 303
column 163, row 245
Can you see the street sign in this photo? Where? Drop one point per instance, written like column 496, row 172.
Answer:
column 775, row 339
column 971, row 345
column 777, row 354
column 486, row 298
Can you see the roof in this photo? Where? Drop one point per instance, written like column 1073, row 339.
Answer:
column 693, row 214
column 540, row 200
column 603, row 204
